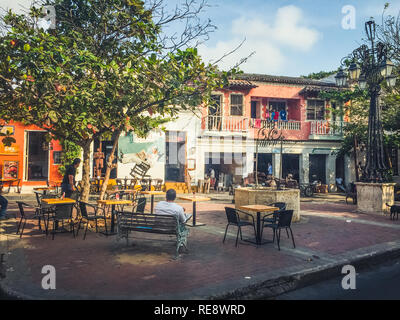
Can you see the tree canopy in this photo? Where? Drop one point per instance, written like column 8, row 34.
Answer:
column 106, row 68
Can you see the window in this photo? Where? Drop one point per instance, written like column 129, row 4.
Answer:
column 236, row 105
column 56, row 157
column 214, row 109
column 315, row 110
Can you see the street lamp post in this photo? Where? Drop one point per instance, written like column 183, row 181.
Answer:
column 369, row 67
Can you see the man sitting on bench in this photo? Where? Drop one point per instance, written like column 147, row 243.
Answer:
column 170, row 208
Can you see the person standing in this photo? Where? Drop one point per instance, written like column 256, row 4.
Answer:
column 212, row 178
column 68, row 182
column 269, row 168
column 3, row 207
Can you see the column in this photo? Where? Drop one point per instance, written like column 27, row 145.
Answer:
column 330, row 172
column 250, row 154
column 304, row 168
column 349, row 170
column 200, row 160
column 276, row 163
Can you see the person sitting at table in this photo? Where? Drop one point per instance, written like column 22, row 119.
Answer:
column 169, row 207
column 68, row 183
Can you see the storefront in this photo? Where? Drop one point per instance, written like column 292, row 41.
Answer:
column 30, row 159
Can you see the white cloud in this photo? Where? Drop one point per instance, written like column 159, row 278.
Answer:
column 269, row 40
column 288, row 29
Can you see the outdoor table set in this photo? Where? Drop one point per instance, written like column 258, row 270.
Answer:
column 113, row 203
column 49, row 204
column 258, row 209
column 120, row 202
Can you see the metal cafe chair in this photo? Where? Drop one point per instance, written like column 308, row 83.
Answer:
column 283, row 221
column 234, row 219
column 92, row 215
column 43, row 208
column 24, row 217
column 140, row 205
column 267, row 218
column 62, row 212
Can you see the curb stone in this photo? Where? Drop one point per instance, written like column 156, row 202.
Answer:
column 272, row 288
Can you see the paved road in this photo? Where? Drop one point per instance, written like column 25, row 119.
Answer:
column 379, row 282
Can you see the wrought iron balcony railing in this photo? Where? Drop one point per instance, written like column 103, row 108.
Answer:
column 327, row 128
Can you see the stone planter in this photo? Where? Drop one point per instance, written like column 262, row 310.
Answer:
column 245, row 196
column 372, row 197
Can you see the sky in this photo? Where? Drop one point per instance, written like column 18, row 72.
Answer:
column 290, row 38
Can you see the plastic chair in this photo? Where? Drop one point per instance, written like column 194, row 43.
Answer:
column 234, row 219
column 283, row 221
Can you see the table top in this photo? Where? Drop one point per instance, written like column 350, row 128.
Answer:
column 152, row 192
column 193, row 198
column 7, row 180
column 114, row 201
column 44, row 188
column 258, row 208
column 58, row 201
column 122, row 191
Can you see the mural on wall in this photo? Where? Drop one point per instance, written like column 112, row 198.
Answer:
column 135, row 150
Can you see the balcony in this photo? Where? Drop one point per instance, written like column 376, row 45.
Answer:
column 292, row 130
column 280, row 125
column 326, row 129
column 225, row 124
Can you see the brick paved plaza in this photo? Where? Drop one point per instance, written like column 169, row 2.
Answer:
column 100, row 267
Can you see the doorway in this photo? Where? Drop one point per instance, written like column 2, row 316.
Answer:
column 227, row 168
column 37, row 156
column 263, row 160
column 318, row 168
column 175, row 162
column 340, row 172
column 290, row 165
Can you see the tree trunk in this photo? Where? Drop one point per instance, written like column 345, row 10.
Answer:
column 86, row 172
column 110, row 165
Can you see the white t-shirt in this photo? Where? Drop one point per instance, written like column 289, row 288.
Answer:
column 171, row 208
column 212, row 174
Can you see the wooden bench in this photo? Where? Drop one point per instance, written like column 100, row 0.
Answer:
column 152, row 223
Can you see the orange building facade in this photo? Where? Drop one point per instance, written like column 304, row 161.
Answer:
column 30, row 160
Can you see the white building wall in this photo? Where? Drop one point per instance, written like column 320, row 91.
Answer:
column 198, row 145
column 154, row 146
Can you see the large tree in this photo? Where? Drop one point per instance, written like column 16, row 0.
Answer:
column 108, row 67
